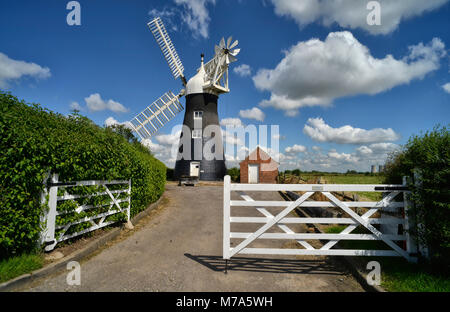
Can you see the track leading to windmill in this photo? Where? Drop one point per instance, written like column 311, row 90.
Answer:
column 180, row 249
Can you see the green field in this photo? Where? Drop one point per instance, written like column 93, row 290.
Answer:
column 330, row 178
column 345, row 179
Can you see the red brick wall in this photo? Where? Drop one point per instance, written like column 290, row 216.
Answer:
column 268, row 170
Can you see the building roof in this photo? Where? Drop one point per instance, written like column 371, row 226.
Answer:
column 260, row 155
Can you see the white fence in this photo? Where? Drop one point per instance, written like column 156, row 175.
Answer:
column 282, row 221
column 91, row 209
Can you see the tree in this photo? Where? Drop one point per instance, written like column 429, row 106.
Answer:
column 124, row 131
column 429, row 155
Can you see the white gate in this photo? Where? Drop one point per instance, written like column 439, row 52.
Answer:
column 56, row 230
column 281, row 221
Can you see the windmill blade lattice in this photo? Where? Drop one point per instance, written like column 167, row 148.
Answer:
column 167, row 48
column 156, row 115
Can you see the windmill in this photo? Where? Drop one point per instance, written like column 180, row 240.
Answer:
column 201, row 93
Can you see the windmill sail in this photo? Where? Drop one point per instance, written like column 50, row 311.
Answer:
column 156, row 115
column 167, row 48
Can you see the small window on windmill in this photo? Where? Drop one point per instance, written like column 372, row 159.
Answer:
column 196, row 134
column 198, row 114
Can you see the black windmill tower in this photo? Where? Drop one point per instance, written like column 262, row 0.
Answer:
column 201, row 121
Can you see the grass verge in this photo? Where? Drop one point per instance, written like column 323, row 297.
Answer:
column 16, row 266
column 397, row 274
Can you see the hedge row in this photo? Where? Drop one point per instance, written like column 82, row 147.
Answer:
column 35, row 141
column 429, row 155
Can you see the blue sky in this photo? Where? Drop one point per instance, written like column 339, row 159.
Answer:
column 349, row 94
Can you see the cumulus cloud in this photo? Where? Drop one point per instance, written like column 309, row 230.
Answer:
column 295, row 149
column 169, row 139
column 95, row 103
column 13, row 70
column 154, row 147
column 315, row 72
column 253, row 113
column 353, row 13
column 446, row 87
column 319, row 131
column 168, row 15
column 360, row 159
column 196, row 16
column 377, row 149
column 349, row 158
column 243, row 70
column 231, row 122
column 111, row 121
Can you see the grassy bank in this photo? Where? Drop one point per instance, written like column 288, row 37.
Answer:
column 15, row 266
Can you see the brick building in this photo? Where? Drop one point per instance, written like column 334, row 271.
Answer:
column 259, row 167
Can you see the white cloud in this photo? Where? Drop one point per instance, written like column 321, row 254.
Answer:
column 337, row 161
column 243, row 70
column 316, row 148
column 95, row 103
column 377, row 148
column 111, row 121
column 353, row 13
column 231, row 122
column 169, row 139
column 349, row 158
column 295, row 149
column 168, row 15
column 253, row 113
column 13, row 70
column 154, row 147
column 196, row 16
column 315, row 72
column 446, row 87
column 318, row 130
column 76, row 106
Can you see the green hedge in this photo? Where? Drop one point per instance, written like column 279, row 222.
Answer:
column 35, row 141
column 430, row 155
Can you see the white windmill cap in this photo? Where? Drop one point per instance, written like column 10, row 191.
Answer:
column 196, row 83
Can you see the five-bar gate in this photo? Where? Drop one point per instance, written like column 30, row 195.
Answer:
column 352, row 221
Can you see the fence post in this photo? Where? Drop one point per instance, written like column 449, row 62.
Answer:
column 411, row 244
column 226, row 216
column 129, row 200
column 49, row 234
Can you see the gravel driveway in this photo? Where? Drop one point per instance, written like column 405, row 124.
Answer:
column 179, row 248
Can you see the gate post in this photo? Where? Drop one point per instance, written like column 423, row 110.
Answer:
column 226, row 216
column 129, row 200
column 50, row 216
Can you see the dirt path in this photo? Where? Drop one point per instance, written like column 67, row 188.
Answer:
column 180, row 249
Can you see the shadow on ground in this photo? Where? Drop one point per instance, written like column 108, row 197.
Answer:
column 265, row 265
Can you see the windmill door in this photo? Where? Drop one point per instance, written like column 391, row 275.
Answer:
column 253, row 173
column 195, row 169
